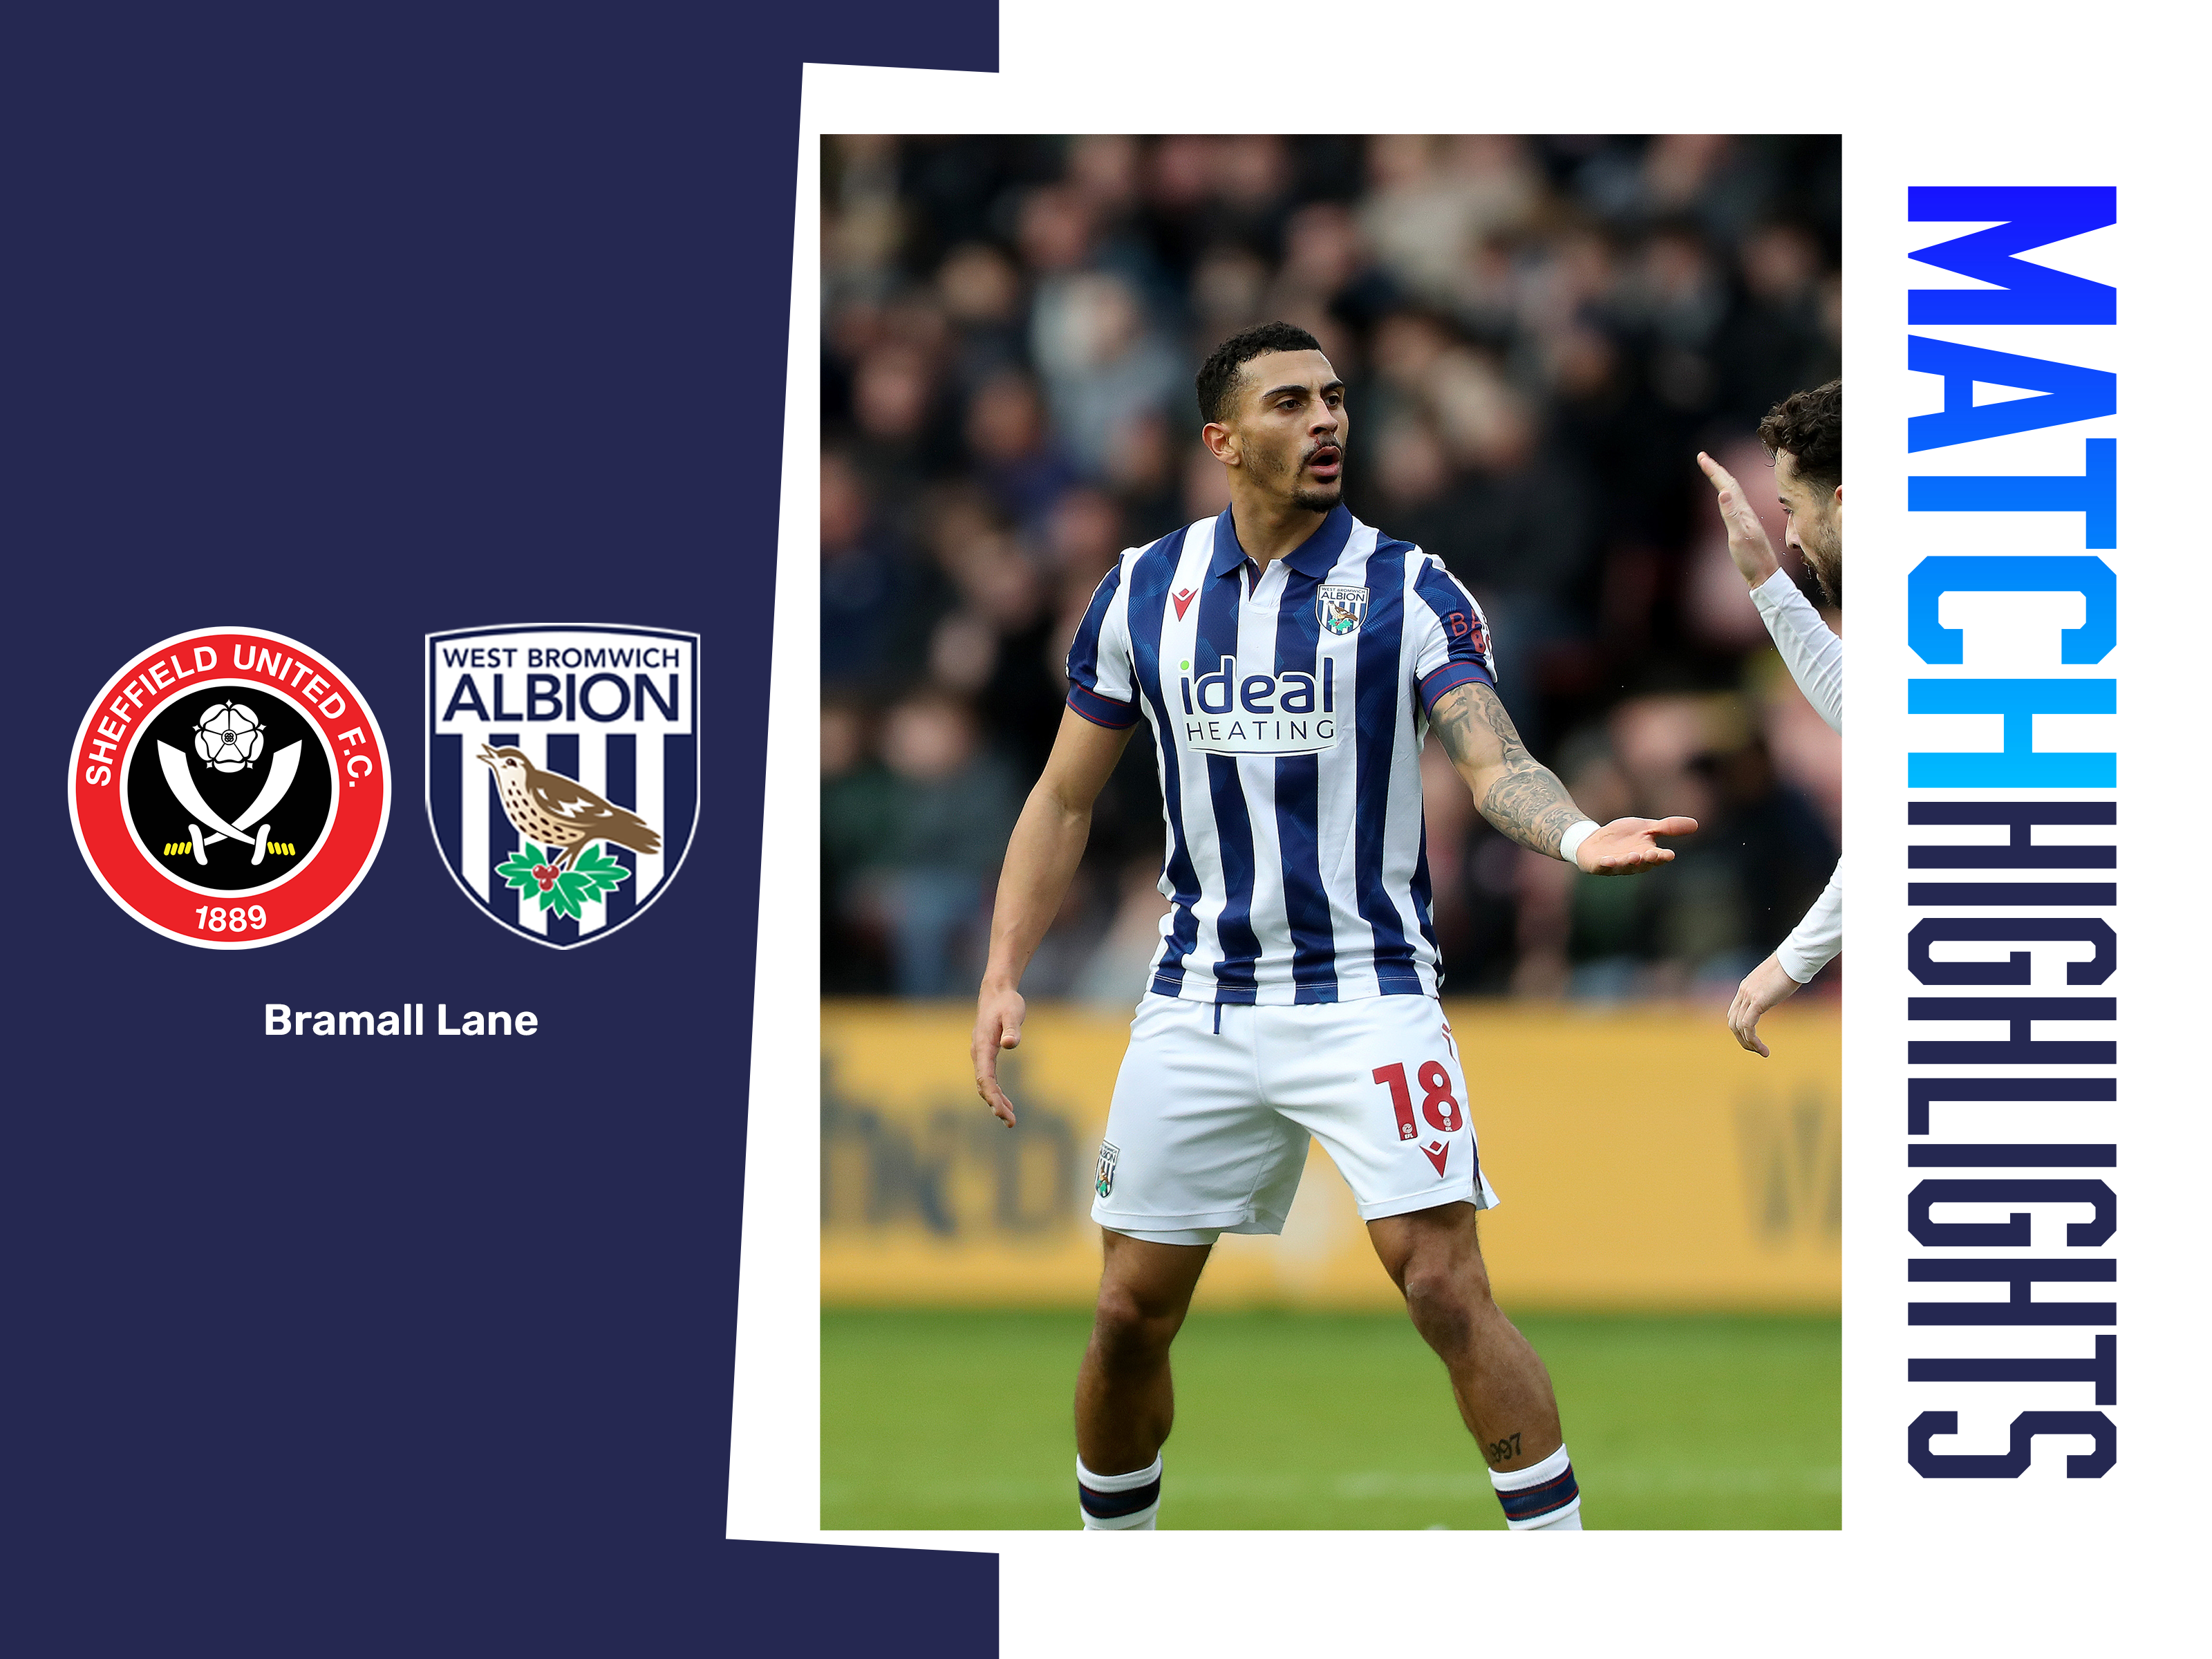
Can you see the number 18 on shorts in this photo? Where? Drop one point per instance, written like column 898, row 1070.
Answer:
column 1215, row 1103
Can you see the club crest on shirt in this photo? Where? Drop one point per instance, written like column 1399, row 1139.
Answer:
column 562, row 771
column 1342, row 609
column 1109, row 1156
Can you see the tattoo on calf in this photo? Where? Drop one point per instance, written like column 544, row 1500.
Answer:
column 1504, row 1450
column 1527, row 803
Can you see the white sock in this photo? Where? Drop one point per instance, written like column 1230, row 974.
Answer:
column 1542, row 1497
column 1119, row 1503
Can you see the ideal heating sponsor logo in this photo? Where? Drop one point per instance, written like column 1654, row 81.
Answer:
column 1228, row 713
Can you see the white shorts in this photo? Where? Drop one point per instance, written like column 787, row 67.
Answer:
column 1208, row 1130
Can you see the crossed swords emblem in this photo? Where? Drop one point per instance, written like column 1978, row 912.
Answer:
column 283, row 767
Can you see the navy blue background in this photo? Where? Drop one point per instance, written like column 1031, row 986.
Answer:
column 356, row 326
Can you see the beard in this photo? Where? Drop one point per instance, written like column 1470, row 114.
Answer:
column 1314, row 496
column 1824, row 557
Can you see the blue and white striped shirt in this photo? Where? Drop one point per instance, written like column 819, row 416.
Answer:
column 1288, row 706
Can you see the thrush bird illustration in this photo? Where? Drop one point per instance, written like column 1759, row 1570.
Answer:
column 560, row 812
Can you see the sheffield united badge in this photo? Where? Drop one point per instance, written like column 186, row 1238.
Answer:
column 562, row 771
column 229, row 787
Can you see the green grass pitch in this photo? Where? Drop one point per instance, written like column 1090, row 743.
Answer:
column 961, row 1420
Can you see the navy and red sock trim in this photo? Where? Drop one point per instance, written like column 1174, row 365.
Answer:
column 1546, row 1498
column 1110, row 1505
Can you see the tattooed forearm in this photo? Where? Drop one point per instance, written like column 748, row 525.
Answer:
column 1531, row 807
column 1520, row 796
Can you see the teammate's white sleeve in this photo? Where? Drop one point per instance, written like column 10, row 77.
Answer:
column 1813, row 943
column 1809, row 646
column 1816, row 656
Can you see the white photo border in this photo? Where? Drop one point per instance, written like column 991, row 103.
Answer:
column 1926, row 94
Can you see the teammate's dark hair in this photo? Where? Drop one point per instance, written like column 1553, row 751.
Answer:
column 1218, row 375
column 1810, row 426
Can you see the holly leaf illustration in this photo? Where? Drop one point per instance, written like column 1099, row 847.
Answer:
column 597, row 859
column 597, row 874
column 593, row 875
column 566, row 896
column 519, row 865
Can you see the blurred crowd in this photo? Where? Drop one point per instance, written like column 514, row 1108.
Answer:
column 1537, row 336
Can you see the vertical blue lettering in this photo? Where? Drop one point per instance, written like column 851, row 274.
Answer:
column 2019, row 764
column 2069, row 393
column 2094, row 493
column 2026, row 573
column 2023, row 293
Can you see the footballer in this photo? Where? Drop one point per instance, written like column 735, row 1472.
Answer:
column 1804, row 434
column 1288, row 660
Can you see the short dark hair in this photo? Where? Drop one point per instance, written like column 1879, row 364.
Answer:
column 1219, row 375
column 1810, row 426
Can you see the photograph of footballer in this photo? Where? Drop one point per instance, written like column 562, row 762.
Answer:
column 1804, row 434
column 1471, row 786
column 1294, row 974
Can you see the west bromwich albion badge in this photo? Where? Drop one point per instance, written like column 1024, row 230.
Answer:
column 562, row 771
column 229, row 788
column 1342, row 609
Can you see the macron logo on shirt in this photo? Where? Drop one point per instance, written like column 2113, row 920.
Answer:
column 1182, row 601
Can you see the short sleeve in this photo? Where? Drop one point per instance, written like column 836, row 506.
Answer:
column 1101, row 683
column 1451, row 641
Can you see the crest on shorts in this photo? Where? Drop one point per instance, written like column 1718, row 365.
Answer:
column 1342, row 609
column 562, row 771
column 1109, row 1156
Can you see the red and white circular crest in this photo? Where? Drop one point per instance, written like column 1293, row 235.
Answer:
column 229, row 787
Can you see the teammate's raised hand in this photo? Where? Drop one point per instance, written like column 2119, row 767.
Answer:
column 997, row 1025
column 1746, row 537
column 1628, row 847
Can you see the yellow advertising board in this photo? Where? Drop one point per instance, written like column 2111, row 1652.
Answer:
column 1641, row 1158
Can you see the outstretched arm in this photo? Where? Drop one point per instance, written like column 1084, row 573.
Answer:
column 1041, row 859
column 1523, row 799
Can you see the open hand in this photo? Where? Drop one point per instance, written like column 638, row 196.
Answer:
column 997, row 1025
column 1746, row 537
column 1628, row 847
column 1762, row 988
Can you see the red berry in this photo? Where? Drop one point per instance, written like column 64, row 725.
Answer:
column 545, row 874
